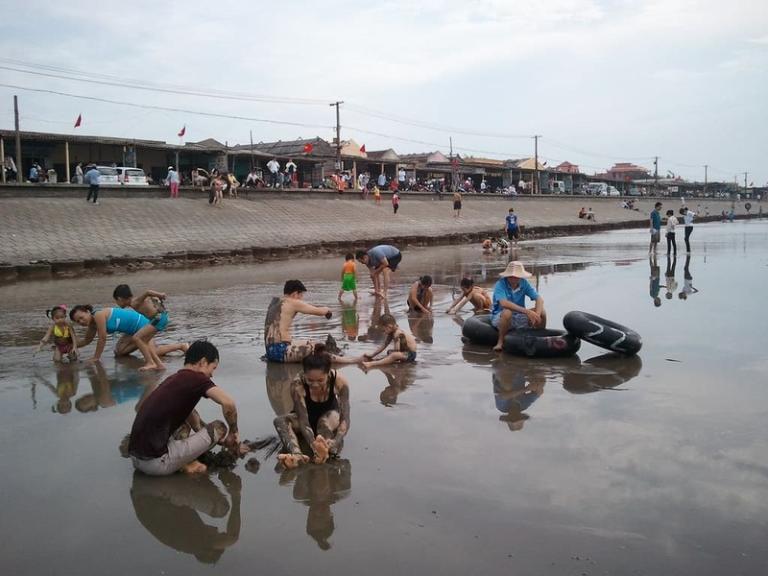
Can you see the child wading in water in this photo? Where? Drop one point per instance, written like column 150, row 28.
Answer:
column 403, row 350
column 64, row 340
column 348, row 276
column 376, row 194
column 395, row 201
column 420, row 295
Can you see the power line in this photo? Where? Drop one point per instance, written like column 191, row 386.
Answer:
column 107, row 80
column 166, row 108
column 427, row 125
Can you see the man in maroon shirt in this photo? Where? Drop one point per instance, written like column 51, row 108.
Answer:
column 152, row 446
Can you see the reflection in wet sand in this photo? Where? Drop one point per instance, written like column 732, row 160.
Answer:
column 421, row 326
column 319, row 486
column 399, row 377
column 603, row 372
column 67, row 381
column 169, row 507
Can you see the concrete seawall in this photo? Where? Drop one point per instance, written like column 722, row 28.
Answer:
column 55, row 233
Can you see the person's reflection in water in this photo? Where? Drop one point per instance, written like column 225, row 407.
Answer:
column 375, row 332
column 421, row 326
column 169, row 508
column 688, row 288
column 669, row 277
column 319, row 487
column 350, row 321
column 399, row 377
column 515, row 388
column 655, row 286
column 67, row 380
column 128, row 386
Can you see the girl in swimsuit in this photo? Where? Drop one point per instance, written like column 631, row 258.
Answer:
column 64, row 340
column 111, row 320
column 321, row 412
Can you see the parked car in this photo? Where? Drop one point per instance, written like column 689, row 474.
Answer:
column 131, row 176
column 597, row 189
column 109, row 175
column 612, row 191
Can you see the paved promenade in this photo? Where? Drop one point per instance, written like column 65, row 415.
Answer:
column 57, row 229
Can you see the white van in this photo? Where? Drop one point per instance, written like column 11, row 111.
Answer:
column 131, row 176
column 558, row 187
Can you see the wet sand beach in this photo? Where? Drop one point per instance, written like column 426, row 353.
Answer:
column 464, row 463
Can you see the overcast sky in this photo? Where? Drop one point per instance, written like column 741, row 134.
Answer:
column 601, row 80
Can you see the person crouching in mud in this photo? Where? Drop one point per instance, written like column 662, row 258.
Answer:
column 277, row 326
column 153, row 447
column 321, row 412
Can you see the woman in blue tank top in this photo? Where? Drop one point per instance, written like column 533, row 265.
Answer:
column 111, row 320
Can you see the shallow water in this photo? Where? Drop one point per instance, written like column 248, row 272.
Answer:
column 653, row 465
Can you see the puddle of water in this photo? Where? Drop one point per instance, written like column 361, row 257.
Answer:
column 464, row 463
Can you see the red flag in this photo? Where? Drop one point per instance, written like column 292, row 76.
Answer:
column 183, row 131
column 362, row 148
column 308, row 148
column 79, row 120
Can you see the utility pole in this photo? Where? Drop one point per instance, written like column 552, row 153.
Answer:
column 536, row 163
column 338, row 135
column 656, row 174
column 252, row 164
column 19, row 170
column 706, row 166
column 745, row 184
column 454, row 175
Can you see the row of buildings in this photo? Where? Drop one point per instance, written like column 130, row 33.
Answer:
column 316, row 160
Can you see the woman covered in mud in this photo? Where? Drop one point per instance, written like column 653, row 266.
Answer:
column 320, row 412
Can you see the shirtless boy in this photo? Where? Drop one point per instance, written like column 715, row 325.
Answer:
column 152, row 305
column 403, row 349
column 278, row 340
column 478, row 297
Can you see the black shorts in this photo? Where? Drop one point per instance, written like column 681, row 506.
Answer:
column 457, row 205
column 394, row 262
column 513, row 233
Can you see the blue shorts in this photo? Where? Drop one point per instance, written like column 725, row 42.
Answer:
column 410, row 357
column 276, row 352
column 519, row 320
column 160, row 321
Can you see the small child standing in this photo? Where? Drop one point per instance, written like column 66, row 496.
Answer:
column 376, row 194
column 64, row 338
column 395, row 201
column 348, row 276
column 671, row 224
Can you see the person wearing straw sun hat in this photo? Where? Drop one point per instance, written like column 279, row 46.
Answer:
column 509, row 311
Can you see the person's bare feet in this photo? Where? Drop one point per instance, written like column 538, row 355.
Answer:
column 497, row 348
column 320, row 446
column 160, row 366
column 147, row 367
column 292, row 460
column 194, row 467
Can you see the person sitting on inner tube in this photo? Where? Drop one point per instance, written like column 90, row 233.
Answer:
column 509, row 311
